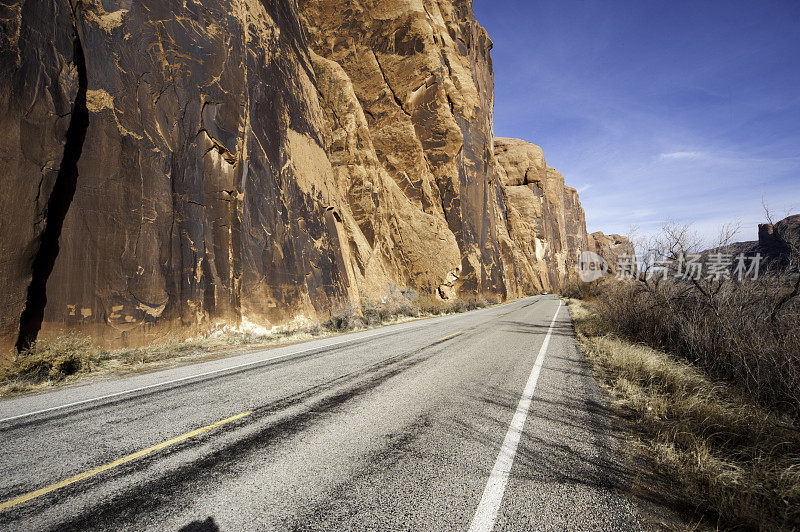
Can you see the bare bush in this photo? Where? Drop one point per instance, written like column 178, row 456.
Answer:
column 51, row 360
column 577, row 289
column 345, row 318
column 741, row 330
column 433, row 306
column 482, row 301
column 719, row 452
column 402, row 304
column 744, row 332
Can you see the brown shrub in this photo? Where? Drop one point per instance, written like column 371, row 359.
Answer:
column 51, row 360
column 577, row 289
column 744, row 332
column 345, row 318
column 720, row 452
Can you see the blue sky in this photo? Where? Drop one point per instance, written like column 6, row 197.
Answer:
column 655, row 110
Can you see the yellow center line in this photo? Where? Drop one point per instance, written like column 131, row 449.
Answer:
column 449, row 336
column 97, row 470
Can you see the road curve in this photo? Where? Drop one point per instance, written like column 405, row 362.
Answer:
column 478, row 421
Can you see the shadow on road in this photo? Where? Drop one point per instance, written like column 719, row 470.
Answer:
column 569, row 440
column 559, row 328
column 209, row 525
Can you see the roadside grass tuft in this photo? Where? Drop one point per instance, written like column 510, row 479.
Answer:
column 724, row 455
column 407, row 305
column 70, row 357
column 52, row 360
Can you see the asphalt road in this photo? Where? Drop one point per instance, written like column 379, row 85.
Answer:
column 487, row 419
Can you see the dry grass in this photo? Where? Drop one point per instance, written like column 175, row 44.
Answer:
column 724, row 455
column 70, row 358
column 51, row 361
column 746, row 334
column 407, row 305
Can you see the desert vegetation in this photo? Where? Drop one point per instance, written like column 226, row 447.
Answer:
column 747, row 334
column 708, row 371
column 741, row 329
column 732, row 463
column 410, row 305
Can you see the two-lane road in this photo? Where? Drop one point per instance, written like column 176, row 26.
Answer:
column 487, row 419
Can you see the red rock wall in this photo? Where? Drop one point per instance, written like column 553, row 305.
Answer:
column 172, row 166
column 611, row 248
column 545, row 217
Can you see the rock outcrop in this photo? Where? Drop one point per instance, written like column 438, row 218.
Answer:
column 172, row 166
column 544, row 217
column 612, row 248
column 778, row 244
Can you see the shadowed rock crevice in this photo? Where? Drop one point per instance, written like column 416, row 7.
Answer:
column 219, row 137
column 57, row 207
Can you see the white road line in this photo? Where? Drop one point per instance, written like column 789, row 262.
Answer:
column 182, row 379
column 486, row 514
column 198, row 376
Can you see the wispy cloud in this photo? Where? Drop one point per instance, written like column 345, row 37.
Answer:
column 676, row 155
column 583, row 188
column 684, row 118
column 640, row 214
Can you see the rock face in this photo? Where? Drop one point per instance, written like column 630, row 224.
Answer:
column 611, row 248
column 778, row 244
column 545, row 218
column 171, row 166
column 421, row 75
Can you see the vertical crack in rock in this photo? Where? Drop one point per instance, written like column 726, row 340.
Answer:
column 57, row 207
column 260, row 249
column 396, row 98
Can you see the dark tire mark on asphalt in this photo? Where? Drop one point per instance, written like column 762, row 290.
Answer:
column 134, row 397
column 328, row 513
column 160, row 489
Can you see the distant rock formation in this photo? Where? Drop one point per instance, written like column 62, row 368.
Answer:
column 779, row 241
column 778, row 244
column 612, row 248
column 544, row 217
column 173, row 166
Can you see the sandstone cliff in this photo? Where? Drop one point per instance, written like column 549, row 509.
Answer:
column 170, row 166
column 611, row 248
column 544, row 217
column 778, row 244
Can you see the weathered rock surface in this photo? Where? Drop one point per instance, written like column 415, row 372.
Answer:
column 545, row 218
column 611, row 248
column 778, row 244
column 421, row 73
column 203, row 189
column 171, row 166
